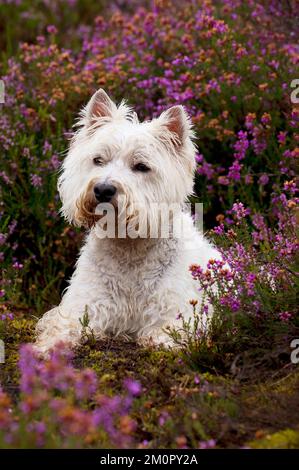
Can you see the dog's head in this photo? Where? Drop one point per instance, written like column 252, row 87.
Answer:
column 114, row 159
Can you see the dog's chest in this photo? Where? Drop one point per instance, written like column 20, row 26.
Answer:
column 130, row 281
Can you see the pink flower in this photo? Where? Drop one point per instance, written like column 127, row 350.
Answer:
column 51, row 29
column 239, row 210
column 36, row 181
column 263, row 180
column 285, row 316
column 132, row 386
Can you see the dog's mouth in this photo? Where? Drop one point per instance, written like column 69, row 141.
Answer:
column 86, row 212
column 116, row 216
column 90, row 211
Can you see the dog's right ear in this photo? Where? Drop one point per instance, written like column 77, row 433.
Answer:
column 98, row 110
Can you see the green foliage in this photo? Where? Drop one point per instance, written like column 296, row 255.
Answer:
column 87, row 334
column 286, row 439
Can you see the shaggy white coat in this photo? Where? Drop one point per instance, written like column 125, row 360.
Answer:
column 130, row 287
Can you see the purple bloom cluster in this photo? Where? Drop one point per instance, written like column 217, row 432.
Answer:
column 61, row 406
column 259, row 266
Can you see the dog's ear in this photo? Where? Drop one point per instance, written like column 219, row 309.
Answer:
column 99, row 109
column 177, row 123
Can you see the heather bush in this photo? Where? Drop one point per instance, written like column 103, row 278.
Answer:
column 232, row 75
column 253, row 291
column 60, row 407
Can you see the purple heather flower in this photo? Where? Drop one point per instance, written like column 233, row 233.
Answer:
column 207, row 444
column 132, row 386
column 164, row 415
column 239, row 210
column 219, row 230
column 285, row 316
column 263, row 179
column 241, row 145
column 199, row 158
column 51, row 29
column 234, row 171
column 17, row 265
column 197, row 380
column 2, row 238
column 36, row 180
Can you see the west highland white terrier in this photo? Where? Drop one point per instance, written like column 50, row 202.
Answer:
column 132, row 277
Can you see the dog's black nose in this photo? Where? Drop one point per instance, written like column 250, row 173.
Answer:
column 104, row 192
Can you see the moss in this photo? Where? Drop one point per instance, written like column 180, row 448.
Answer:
column 286, row 439
column 18, row 331
column 174, row 404
column 288, row 384
column 178, row 404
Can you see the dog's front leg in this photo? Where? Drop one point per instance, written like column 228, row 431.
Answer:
column 57, row 326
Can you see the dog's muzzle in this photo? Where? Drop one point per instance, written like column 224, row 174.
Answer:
column 104, row 192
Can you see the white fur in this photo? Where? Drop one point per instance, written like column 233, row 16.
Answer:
column 130, row 287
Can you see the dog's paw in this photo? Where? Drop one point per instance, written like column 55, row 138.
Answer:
column 156, row 339
column 43, row 348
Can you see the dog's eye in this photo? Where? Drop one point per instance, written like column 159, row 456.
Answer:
column 98, row 161
column 141, row 167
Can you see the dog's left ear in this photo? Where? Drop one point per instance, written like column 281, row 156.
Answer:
column 99, row 109
column 178, row 125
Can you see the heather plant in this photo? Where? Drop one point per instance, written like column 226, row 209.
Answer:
column 60, row 407
column 24, row 20
column 231, row 74
column 253, row 291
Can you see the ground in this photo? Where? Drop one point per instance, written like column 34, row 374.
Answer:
column 179, row 406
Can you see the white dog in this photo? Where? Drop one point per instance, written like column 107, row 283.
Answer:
column 136, row 285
